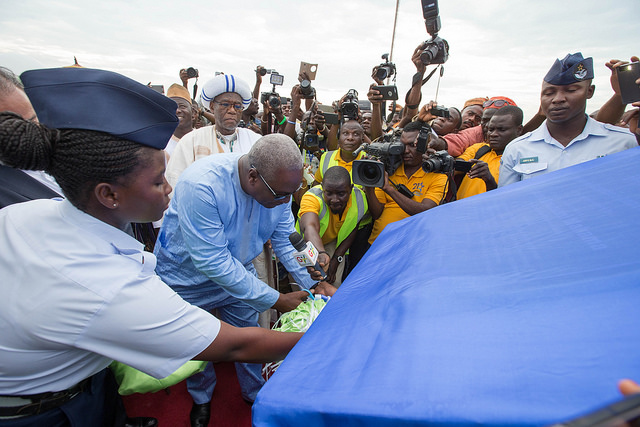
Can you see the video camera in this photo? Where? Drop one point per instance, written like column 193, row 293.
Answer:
column 273, row 98
column 386, row 69
column 388, row 155
column 350, row 106
column 436, row 49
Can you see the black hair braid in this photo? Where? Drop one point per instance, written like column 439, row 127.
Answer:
column 24, row 144
column 77, row 159
column 82, row 159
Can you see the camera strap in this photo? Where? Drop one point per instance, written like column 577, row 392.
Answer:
column 482, row 151
column 417, row 78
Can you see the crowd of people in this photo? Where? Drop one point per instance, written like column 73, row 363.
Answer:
column 135, row 229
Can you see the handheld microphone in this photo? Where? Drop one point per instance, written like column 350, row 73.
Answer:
column 306, row 254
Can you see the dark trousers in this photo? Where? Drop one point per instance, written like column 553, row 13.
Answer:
column 100, row 405
column 358, row 248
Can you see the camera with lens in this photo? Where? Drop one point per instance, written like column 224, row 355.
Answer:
column 440, row 111
column 436, row 49
column 273, row 98
column 192, row 72
column 264, row 71
column 386, row 69
column 350, row 106
column 388, row 156
column 310, row 140
column 440, row 161
column 308, row 92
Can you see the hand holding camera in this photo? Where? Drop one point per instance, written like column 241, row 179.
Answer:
column 374, row 96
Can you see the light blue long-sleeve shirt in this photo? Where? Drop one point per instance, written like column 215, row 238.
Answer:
column 213, row 230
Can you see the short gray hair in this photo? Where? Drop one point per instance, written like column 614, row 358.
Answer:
column 275, row 152
column 9, row 81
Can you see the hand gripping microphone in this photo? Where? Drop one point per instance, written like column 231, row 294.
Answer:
column 306, row 254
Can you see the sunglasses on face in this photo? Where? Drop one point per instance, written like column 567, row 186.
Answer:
column 276, row 196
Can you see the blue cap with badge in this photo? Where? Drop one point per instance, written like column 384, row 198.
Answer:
column 572, row 69
column 103, row 101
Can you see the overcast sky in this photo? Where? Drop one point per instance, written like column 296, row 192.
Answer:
column 497, row 47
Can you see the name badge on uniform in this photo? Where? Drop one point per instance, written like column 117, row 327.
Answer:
column 526, row 160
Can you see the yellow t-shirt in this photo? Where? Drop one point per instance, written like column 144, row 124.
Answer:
column 343, row 163
column 423, row 185
column 310, row 203
column 470, row 187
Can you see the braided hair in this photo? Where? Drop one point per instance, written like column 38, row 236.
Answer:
column 77, row 159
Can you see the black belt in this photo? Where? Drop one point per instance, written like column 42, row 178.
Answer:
column 43, row 402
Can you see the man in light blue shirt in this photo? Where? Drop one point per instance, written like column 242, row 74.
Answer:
column 224, row 208
column 568, row 136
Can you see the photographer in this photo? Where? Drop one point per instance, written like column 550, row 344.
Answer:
column 249, row 117
column 387, row 204
column 503, row 127
column 351, row 137
column 273, row 119
column 441, row 125
column 347, row 108
column 414, row 96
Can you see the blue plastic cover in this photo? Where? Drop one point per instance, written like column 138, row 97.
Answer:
column 520, row 306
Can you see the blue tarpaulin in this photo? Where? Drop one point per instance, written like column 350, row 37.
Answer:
column 520, row 306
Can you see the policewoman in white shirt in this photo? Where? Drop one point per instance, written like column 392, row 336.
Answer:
column 77, row 291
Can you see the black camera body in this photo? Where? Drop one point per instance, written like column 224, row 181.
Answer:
column 386, row 69
column 310, row 140
column 264, row 71
column 388, row 154
column 440, row 111
column 440, row 162
column 308, row 91
column 192, row 72
column 436, row 49
column 350, row 106
column 271, row 97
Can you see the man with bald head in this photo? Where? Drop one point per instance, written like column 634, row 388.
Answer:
column 224, row 208
column 16, row 185
column 568, row 136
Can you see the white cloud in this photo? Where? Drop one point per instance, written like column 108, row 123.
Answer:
column 498, row 47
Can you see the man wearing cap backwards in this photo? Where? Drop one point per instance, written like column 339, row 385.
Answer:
column 226, row 95
column 568, row 136
column 181, row 96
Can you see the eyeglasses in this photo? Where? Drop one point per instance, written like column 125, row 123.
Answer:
column 276, row 196
column 496, row 103
column 227, row 105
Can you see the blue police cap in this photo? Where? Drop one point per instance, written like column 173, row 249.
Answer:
column 99, row 100
column 572, row 69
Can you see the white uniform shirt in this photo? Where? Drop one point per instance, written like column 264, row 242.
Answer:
column 78, row 293
column 537, row 152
